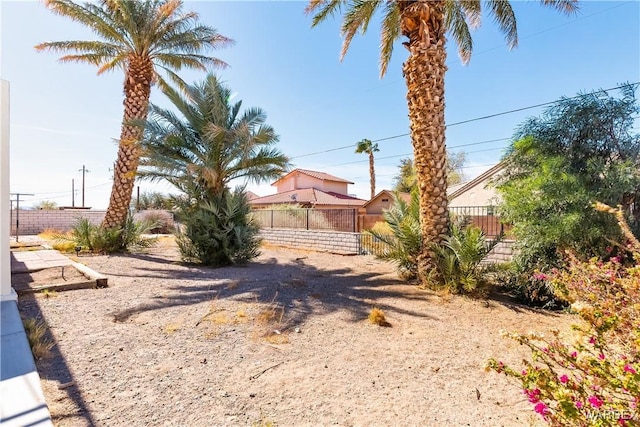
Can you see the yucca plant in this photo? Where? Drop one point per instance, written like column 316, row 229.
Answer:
column 219, row 231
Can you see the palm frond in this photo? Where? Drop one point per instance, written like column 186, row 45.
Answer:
column 356, row 18
column 456, row 24
column 210, row 143
column 505, row 19
column 323, row 9
column 565, row 6
column 389, row 33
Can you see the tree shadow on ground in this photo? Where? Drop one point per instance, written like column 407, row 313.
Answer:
column 297, row 286
column 54, row 367
column 505, row 299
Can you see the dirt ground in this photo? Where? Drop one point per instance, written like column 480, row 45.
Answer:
column 282, row 341
column 48, row 276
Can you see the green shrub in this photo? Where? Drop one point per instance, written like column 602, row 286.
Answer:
column 458, row 258
column 534, row 290
column 218, row 232
column 96, row 239
column 162, row 220
column 594, row 380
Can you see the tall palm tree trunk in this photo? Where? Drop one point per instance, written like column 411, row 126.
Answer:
column 372, row 175
column 424, row 70
column 137, row 89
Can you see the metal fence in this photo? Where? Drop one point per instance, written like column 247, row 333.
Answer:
column 308, row 219
column 371, row 245
column 483, row 217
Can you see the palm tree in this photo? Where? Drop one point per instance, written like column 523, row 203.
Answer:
column 424, row 24
column 366, row 146
column 212, row 143
column 200, row 151
column 142, row 37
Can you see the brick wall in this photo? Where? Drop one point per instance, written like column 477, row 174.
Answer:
column 36, row 221
column 317, row 240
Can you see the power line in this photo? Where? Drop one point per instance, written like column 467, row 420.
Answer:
column 475, row 119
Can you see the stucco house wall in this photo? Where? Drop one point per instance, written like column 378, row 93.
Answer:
column 299, row 180
column 477, row 192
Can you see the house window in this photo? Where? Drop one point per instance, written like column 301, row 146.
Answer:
column 385, row 200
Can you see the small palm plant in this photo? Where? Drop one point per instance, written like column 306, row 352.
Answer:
column 93, row 238
column 459, row 257
column 404, row 244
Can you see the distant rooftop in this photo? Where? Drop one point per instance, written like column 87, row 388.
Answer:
column 315, row 174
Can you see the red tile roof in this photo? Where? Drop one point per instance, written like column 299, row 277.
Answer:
column 315, row 174
column 309, row 196
column 251, row 195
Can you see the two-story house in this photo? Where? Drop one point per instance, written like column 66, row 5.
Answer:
column 310, row 189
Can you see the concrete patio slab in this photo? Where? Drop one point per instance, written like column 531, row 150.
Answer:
column 26, row 261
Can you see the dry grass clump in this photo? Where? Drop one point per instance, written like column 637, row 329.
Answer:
column 36, row 331
column 48, row 293
column 376, row 316
column 52, row 235
column 271, row 325
column 172, row 327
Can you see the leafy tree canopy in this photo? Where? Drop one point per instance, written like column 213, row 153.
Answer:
column 405, row 181
column 579, row 151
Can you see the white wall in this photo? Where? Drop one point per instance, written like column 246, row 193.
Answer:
column 6, row 293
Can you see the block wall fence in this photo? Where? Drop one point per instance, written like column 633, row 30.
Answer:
column 324, row 241
column 36, row 221
column 346, row 243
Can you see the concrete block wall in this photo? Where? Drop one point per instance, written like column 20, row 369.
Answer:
column 317, row 240
column 36, row 221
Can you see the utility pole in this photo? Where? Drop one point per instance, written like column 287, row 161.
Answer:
column 84, row 170
column 73, row 193
column 18, row 211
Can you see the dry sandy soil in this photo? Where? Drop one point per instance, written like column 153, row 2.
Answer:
column 282, row 341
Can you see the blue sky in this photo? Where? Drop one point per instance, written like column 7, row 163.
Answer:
column 63, row 116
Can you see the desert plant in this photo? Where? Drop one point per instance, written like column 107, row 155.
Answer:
column 595, row 380
column 424, row 27
column 369, row 147
column 377, row 317
column 404, row 244
column 36, row 331
column 219, row 232
column 162, row 220
column 95, row 239
column 458, row 258
column 210, row 143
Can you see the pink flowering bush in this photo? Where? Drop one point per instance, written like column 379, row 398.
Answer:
column 595, row 379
